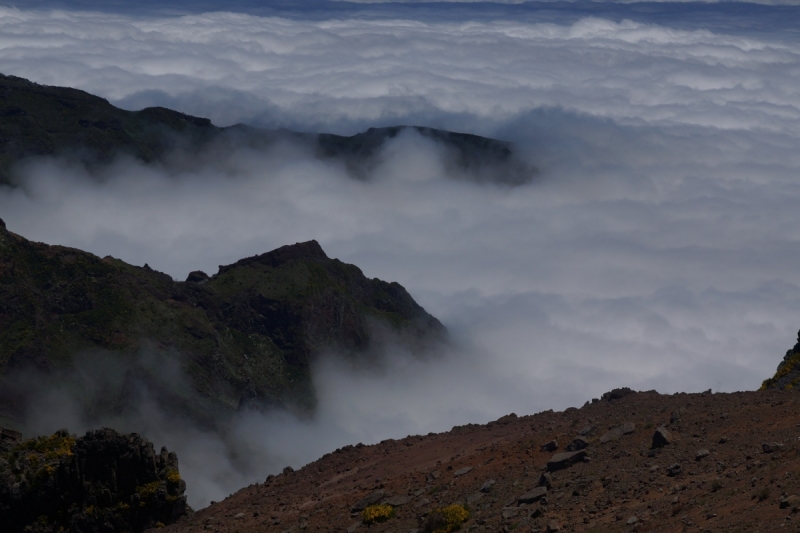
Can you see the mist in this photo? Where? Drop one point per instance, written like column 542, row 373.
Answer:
column 655, row 248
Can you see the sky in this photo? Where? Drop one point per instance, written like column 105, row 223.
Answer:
column 656, row 247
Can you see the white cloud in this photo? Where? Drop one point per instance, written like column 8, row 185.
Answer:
column 657, row 247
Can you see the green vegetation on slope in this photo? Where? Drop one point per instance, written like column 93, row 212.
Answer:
column 245, row 336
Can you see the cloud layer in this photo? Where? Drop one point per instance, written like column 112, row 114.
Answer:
column 657, row 247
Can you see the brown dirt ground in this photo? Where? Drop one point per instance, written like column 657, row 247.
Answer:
column 737, row 487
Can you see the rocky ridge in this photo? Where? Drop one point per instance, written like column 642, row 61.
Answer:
column 641, row 462
column 243, row 337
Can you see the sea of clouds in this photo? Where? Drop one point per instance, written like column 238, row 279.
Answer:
column 657, row 246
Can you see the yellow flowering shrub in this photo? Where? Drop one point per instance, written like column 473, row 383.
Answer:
column 377, row 513
column 446, row 519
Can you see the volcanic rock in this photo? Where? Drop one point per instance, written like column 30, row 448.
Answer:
column 661, row 438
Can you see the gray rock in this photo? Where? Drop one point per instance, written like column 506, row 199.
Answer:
column 532, row 496
column 661, row 438
column 772, row 447
column 701, row 454
column 552, row 527
column 474, row 498
column 677, row 415
column 371, row 499
column 545, row 480
column 353, row 527
column 673, row 470
column 564, row 460
column 398, row 501
column 461, row 471
column 632, row 520
column 487, row 486
column 616, row 433
column 510, row 513
column 790, row 502
column 422, row 503
column 578, row 443
column 432, row 476
column 586, row 431
column 549, row 446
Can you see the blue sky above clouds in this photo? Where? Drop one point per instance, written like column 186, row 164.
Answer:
column 657, row 247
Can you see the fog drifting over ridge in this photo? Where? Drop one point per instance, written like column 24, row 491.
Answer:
column 656, row 248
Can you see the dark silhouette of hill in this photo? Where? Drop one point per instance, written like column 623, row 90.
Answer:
column 40, row 120
column 245, row 336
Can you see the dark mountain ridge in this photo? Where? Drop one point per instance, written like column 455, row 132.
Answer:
column 211, row 345
column 40, row 120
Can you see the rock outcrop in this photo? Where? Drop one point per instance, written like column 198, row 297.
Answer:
column 244, row 337
column 787, row 376
column 102, row 482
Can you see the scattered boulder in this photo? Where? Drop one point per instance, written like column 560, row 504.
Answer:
column 677, row 414
column 632, row 520
column 661, row 438
column 532, row 496
column 564, row 460
column 545, row 480
column 701, row 454
column 790, row 502
column 371, row 499
column 461, row 471
column 578, row 443
column 398, row 501
column 673, row 470
column 772, row 447
column 587, row 430
column 487, row 486
column 552, row 527
column 432, row 476
column 549, row 446
column 617, row 433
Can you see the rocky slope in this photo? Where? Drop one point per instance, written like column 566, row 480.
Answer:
column 40, row 120
column 244, row 336
column 641, row 462
column 101, row 482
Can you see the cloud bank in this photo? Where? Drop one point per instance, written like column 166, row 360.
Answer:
column 657, row 247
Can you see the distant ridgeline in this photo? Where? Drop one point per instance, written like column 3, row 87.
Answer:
column 39, row 120
column 202, row 348
column 787, row 376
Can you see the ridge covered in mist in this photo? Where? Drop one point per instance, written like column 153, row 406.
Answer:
column 40, row 120
column 204, row 348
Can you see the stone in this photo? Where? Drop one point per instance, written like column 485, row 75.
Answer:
column 353, row 527
column 545, row 480
column 532, row 496
column 673, row 470
column 617, row 433
column 432, row 476
column 537, row 512
column 661, row 438
column 474, row 498
column 564, row 460
column 197, row 276
column 632, row 520
column 487, row 486
column 616, row 394
column 578, row 443
column 549, row 446
column 586, row 431
column 701, row 454
column 461, row 471
column 677, row 414
column 790, row 502
column 371, row 499
column 398, row 501
column 422, row 503
column 552, row 527
column 510, row 513
column 772, row 447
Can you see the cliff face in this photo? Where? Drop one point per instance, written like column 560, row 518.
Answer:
column 244, row 336
column 787, row 376
column 101, row 482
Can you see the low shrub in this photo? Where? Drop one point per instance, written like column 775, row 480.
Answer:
column 377, row 513
column 446, row 519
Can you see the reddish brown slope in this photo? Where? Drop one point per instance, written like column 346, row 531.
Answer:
column 736, row 487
